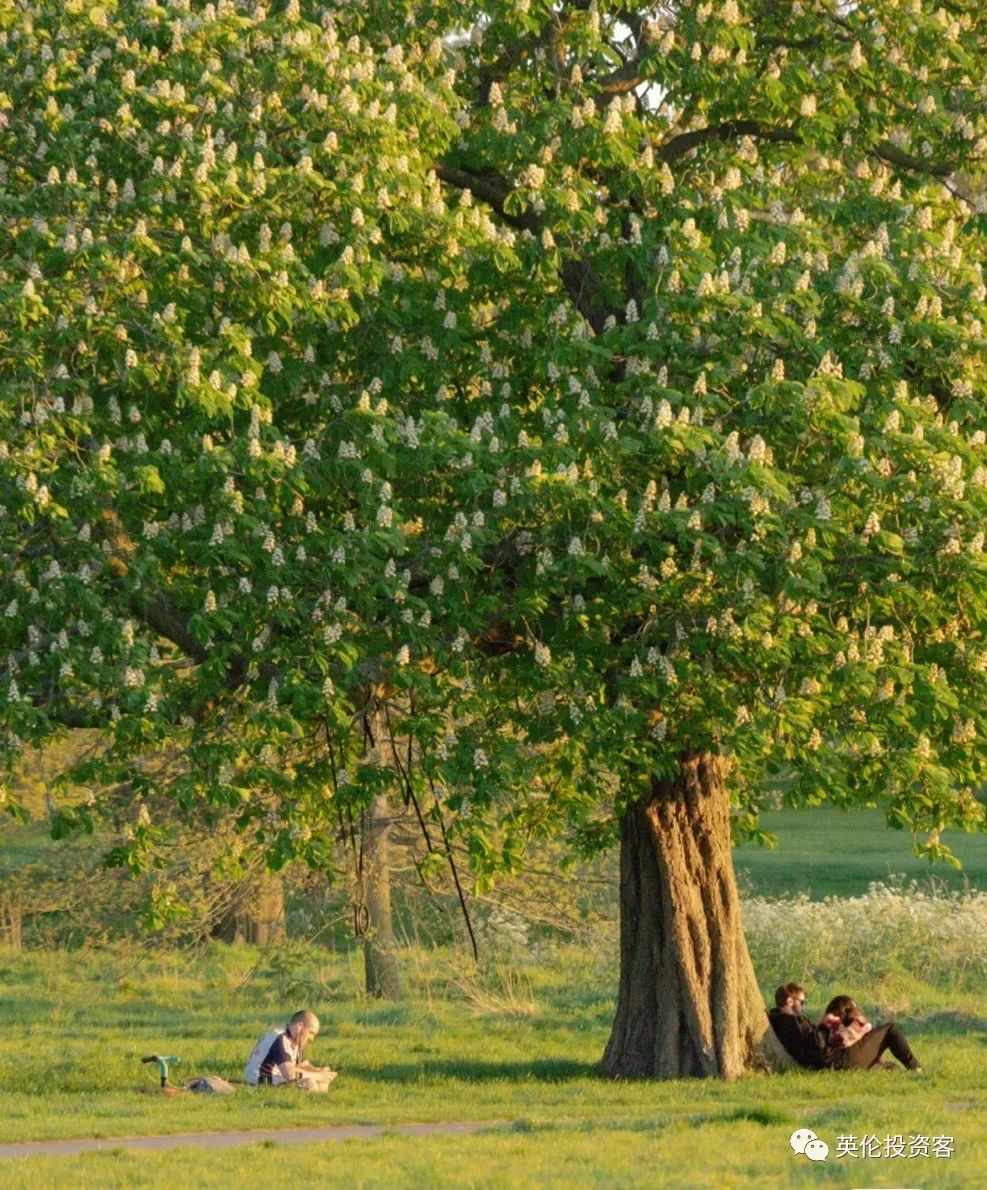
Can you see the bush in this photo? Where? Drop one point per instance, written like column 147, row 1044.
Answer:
column 897, row 928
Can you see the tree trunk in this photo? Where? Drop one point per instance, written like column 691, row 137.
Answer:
column 256, row 913
column 689, row 1004
column 11, row 923
column 264, row 917
column 379, row 960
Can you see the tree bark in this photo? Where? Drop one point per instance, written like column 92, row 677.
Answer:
column 11, row 923
column 689, row 1004
column 264, row 918
column 380, row 963
column 256, row 914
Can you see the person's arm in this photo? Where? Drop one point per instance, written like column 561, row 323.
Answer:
column 815, row 1036
column 283, row 1062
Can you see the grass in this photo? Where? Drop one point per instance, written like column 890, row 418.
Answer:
column 515, row 1042
column 825, row 851
column 626, row 1152
column 71, row 1068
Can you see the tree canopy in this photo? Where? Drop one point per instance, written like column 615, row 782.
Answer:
column 574, row 386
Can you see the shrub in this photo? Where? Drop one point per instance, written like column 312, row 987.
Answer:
column 897, row 928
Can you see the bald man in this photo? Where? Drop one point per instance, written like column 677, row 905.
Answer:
column 279, row 1057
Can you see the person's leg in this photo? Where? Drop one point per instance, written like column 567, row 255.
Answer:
column 317, row 1080
column 869, row 1049
column 866, row 1051
column 899, row 1047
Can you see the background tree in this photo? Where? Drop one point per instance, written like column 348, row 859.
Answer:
column 596, row 396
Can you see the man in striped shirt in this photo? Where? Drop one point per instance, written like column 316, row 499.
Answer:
column 279, row 1057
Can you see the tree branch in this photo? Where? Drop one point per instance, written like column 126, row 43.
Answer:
column 625, row 78
column 895, row 156
column 74, row 717
column 677, row 146
column 550, row 38
column 578, row 277
column 159, row 612
column 586, row 292
column 491, row 188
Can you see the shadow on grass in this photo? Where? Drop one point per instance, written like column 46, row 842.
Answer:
column 388, row 1014
column 956, row 1023
column 833, row 1117
column 18, row 1009
column 764, row 1115
column 545, row 1070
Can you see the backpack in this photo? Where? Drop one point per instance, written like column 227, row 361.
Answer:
column 251, row 1072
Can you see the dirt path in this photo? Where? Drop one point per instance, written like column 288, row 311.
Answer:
column 229, row 1140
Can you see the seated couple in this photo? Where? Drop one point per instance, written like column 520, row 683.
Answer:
column 843, row 1040
column 278, row 1059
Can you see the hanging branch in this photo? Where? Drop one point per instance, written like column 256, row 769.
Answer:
column 455, row 871
column 335, row 787
column 406, row 780
column 349, row 815
column 411, row 715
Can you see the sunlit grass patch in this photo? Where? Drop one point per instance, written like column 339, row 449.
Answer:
column 516, row 1040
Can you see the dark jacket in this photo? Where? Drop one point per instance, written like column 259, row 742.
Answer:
column 805, row 1041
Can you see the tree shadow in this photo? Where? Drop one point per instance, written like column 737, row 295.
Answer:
column 954, row 1022
column 541, row 1070
column 24, row 1010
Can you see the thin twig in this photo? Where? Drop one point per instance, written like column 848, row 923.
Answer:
column 406, row 778
column 455, row 870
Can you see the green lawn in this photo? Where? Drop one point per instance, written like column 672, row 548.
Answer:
column 825, row 851
column 23, row 844
column 76, row 1031
column 645, row 1149
column 77, row 1024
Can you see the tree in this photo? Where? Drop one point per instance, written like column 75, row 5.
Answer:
column 595, row 391
column 376, row 926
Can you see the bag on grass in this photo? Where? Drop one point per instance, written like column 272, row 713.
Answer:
column 317, row 1080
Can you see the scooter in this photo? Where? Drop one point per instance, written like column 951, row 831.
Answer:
column 163, row 1064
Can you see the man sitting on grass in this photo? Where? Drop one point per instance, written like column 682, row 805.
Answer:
column 844, row 1040
column 278, row 1058
column 803, row 1040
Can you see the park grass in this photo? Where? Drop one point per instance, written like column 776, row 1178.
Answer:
column 729, row 1151
column 515, row 1045
column 77, row 1026
column 824, row 851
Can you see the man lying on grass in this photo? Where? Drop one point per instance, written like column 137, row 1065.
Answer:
column 844, row 1040
column 278, row 1058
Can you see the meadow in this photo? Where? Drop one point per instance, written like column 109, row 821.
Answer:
column 513, row 1042
column 827, row 851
